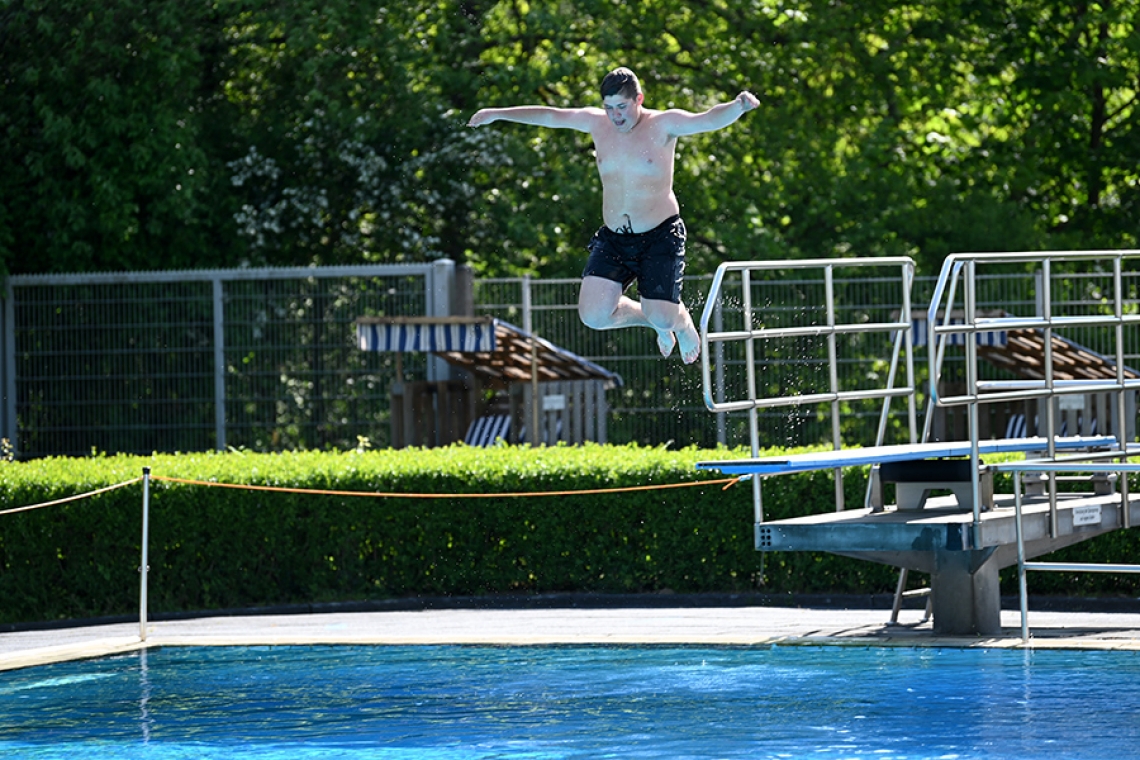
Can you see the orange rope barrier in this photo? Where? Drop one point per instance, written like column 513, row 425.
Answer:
column 69, row 498
column 727, row 483
column 382, row 495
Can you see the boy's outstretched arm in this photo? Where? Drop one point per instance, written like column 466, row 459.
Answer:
column 717, row 117
column 538, row 116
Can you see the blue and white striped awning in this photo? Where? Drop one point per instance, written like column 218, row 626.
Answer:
column 469, row 342
column 412, row 334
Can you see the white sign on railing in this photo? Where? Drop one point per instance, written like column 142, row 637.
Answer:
column 1071, row 403
column 1086, row 515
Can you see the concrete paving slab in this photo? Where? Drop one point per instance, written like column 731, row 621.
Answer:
column 657, row 625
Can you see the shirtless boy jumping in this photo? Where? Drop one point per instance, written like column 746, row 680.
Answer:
column 643, row 238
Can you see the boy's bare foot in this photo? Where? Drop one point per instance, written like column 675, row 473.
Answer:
column 665, row 342
column 690, row 341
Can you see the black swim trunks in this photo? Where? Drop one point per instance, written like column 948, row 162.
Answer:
column 656, row 259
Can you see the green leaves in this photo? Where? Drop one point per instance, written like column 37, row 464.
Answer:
column 99, row 135
column 141, row 134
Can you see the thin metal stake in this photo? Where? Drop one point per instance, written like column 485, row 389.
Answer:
column 143, row 566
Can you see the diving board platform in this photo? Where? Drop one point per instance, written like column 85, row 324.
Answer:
column 872, row 455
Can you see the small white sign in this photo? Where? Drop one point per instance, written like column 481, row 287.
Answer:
column 553, row 403
column 1089, row 515
column 1071, row 402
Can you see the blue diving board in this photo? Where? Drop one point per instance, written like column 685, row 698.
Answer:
column 827, row 460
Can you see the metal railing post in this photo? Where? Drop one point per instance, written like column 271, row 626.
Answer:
column 1121, row 394
column 144, row 567
column 908, row 340
column 1050, row 389
column 753, row 415
column 833, row 381
column 971, row 307
column 721, row 417
column 1022, row 589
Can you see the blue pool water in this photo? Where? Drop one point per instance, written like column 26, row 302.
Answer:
column 290, row 703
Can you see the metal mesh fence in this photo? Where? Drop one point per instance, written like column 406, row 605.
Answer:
column 268, row 359
column 200, row 360
column 108, row 367
column 295, row 377
column 659, row 401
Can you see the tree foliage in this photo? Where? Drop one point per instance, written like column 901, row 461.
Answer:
column 166, row 133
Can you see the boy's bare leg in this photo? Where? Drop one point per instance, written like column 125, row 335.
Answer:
column 602, row 306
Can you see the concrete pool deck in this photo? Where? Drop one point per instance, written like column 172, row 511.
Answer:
column 685, row 622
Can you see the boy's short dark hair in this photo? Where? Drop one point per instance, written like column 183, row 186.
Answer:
column 621, row 81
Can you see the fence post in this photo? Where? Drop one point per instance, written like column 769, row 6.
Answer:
column 143, row 566
column 441, row 286
column 10, row 420
column 528, row 327
column 219, row 364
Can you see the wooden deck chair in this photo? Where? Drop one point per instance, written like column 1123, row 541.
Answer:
column 1016, row 426
column 489, row 430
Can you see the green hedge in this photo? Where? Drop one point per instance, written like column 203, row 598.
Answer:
column 217, row 547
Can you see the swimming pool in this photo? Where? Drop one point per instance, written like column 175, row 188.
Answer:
column 575, row 702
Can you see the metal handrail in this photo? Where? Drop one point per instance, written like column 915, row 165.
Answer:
column 956, row 265
column 811, row 398
column 962, row 268
column 902, row 343
column 1024, row 566
column 810, row 331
